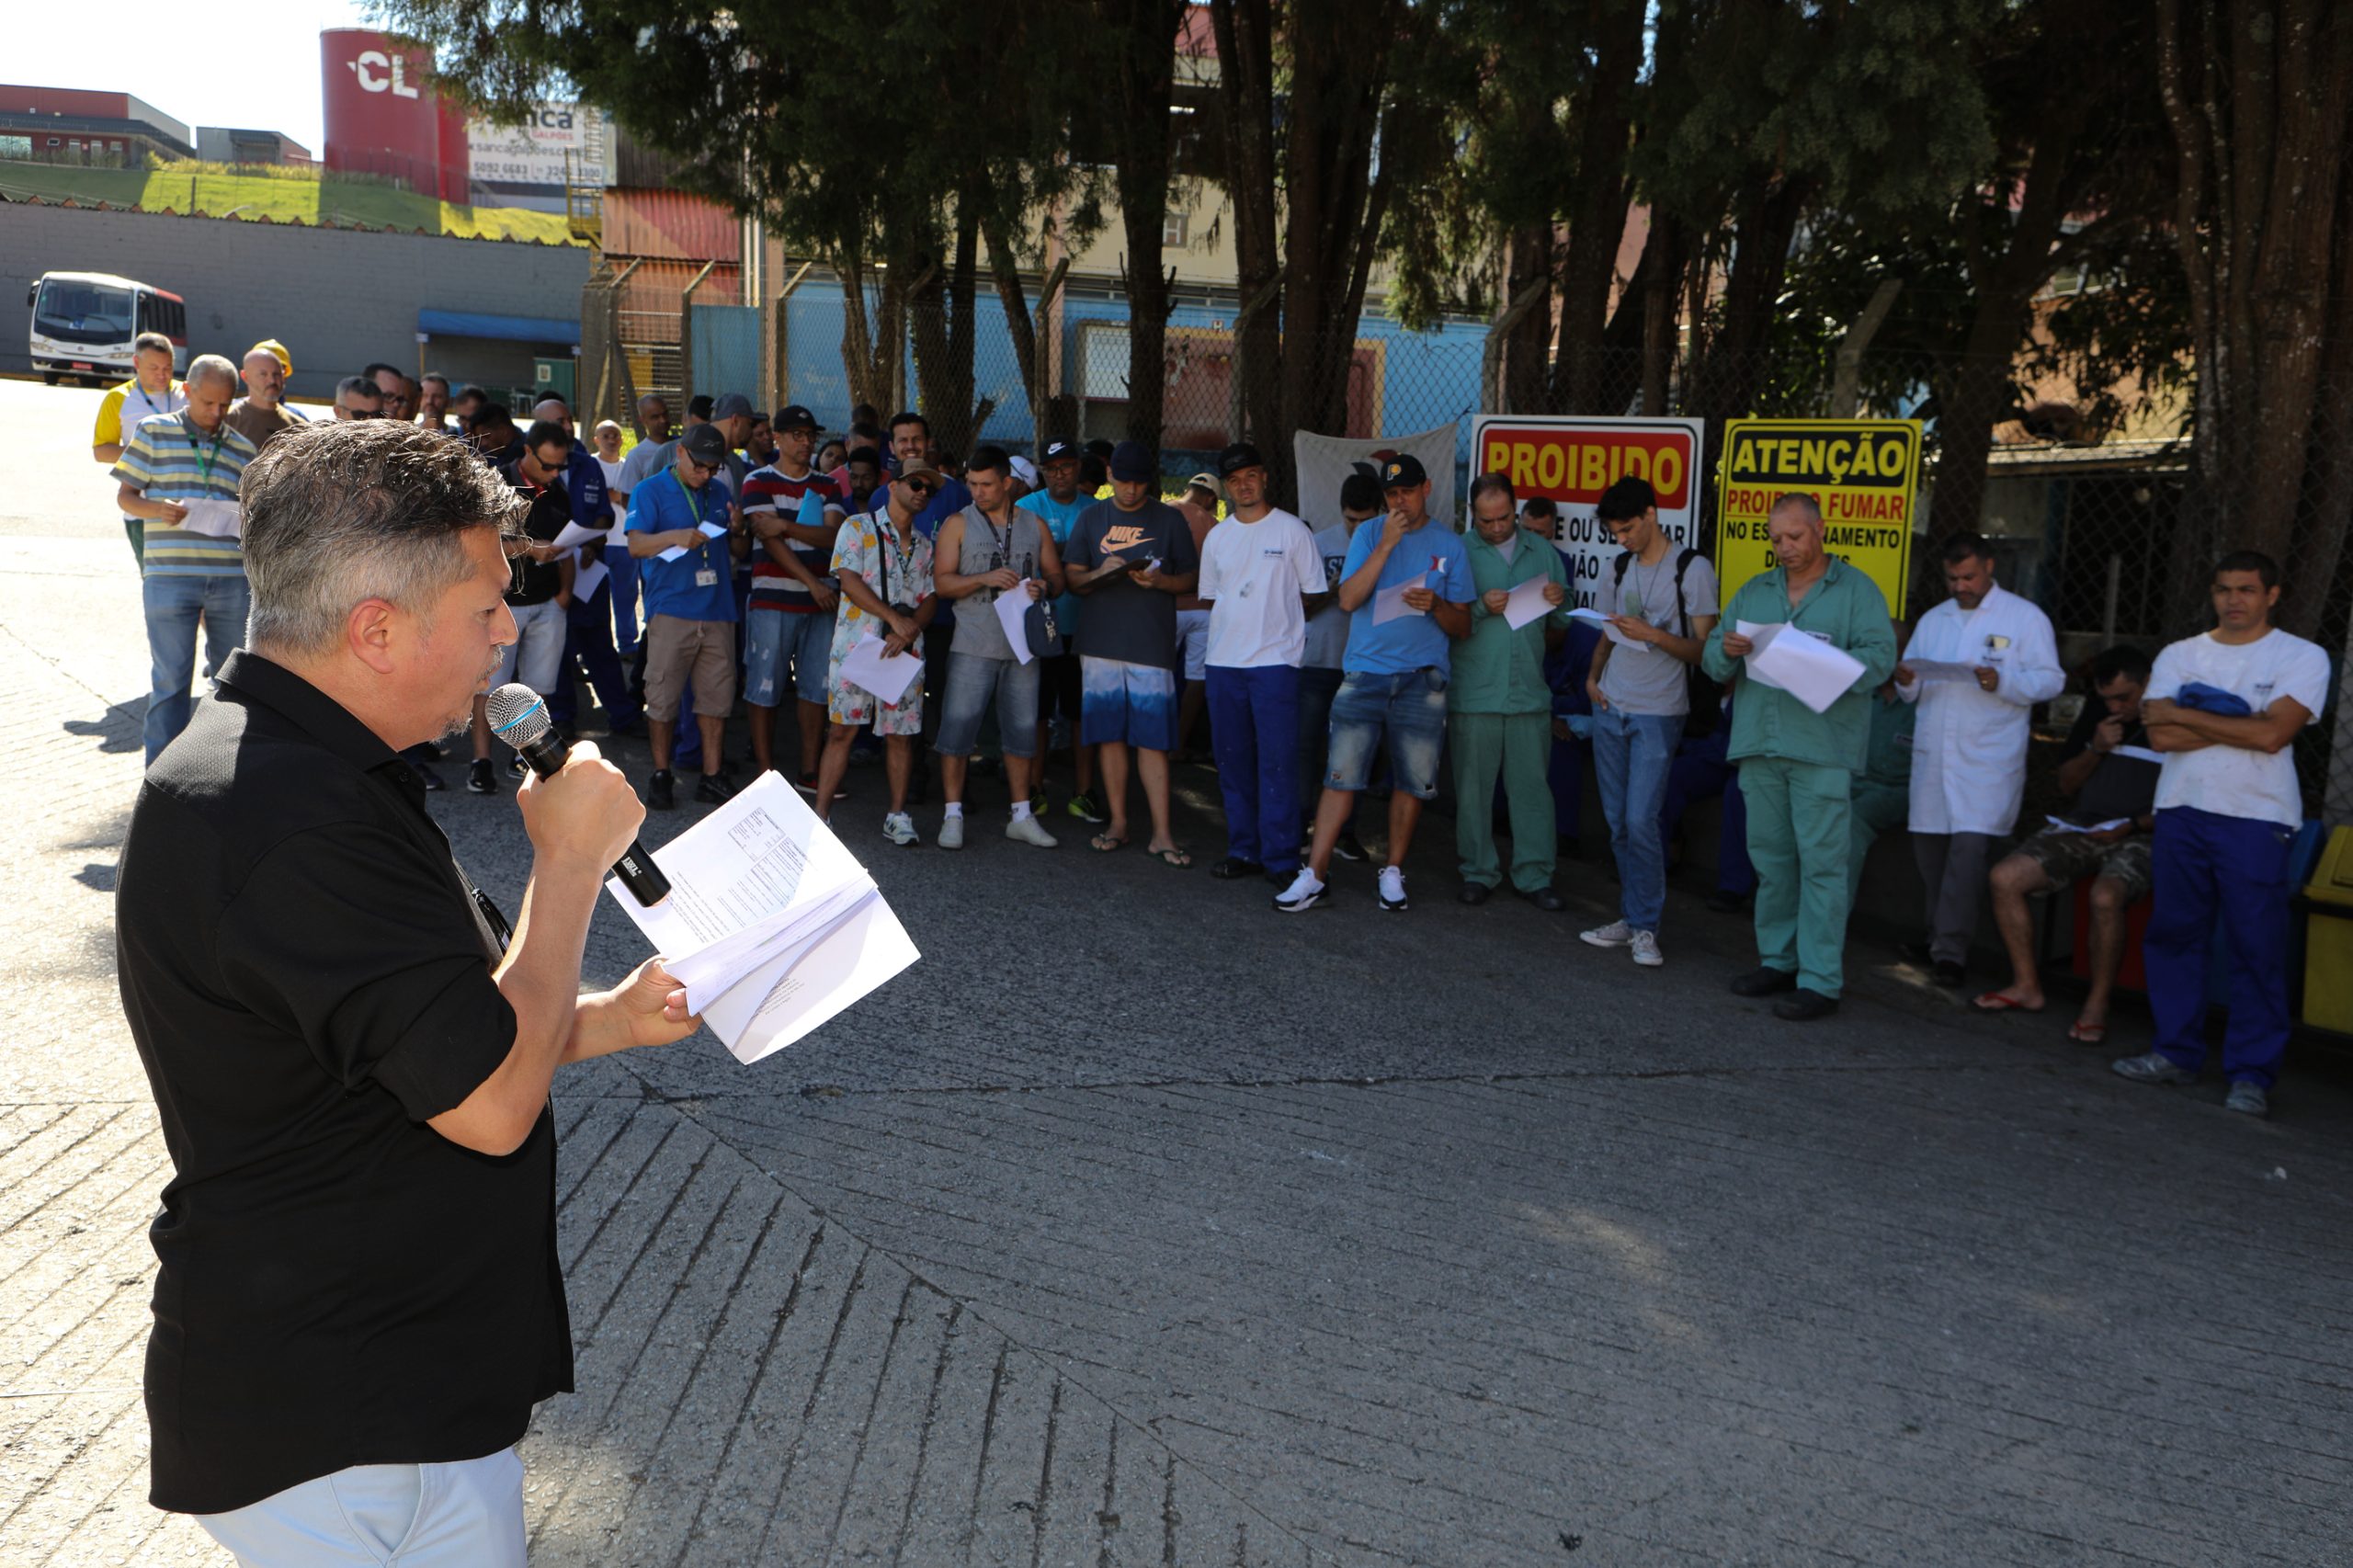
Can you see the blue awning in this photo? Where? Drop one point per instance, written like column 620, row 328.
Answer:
column 510, row 329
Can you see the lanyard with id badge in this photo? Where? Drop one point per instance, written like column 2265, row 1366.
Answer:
column 706, row 574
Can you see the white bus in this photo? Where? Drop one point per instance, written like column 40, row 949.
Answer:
column 84, row 323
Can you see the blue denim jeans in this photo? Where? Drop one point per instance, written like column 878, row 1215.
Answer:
column 1631, row 753
column 176, row 605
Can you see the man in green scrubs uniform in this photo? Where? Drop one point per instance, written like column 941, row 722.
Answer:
column 1797, row 767
column 1499, row 709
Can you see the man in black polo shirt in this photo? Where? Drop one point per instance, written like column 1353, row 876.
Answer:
column 360, row 1299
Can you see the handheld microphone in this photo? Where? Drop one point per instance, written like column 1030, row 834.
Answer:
column 520, row 719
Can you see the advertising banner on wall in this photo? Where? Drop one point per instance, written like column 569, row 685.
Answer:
column 1571, row 458
column 524, row 163
column 1864, row 473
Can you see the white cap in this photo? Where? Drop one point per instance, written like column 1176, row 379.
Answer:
column 1026, row 471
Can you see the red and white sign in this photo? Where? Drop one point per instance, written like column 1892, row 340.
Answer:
column 1571, row 458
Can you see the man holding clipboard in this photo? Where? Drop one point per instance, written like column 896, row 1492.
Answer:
column 1798, row 764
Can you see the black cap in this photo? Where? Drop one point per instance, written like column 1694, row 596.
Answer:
column 1057, row 451
column 1132, row 462
column 705, row 444
column 792, row 416
column 1236, row 457
column 733, row 405
column 1402, row 471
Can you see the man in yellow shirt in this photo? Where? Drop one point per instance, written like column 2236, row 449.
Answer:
column 151, row 391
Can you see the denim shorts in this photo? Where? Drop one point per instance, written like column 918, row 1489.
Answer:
column 972, row 680
column 1133, row 704
column 1410, row 709
column 774, row 638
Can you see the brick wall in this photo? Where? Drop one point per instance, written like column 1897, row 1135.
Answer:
column 336, row 299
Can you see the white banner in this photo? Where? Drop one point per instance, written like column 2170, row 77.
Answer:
column 533, row 152
column 1323, row 461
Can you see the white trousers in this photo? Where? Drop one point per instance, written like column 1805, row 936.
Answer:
column 468, row 1515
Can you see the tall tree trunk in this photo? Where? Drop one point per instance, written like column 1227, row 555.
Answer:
column 1005, row 271
column 1663, row 260
column 1598, row 220
column 1245, row 88
column 872, row 349
column 1145, row 72
column 1766, row 221
column 2259, row 98
column 1528, row 261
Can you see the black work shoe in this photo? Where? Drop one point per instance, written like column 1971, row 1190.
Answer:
column 1475, row 893
column 1722, row 902
column 1233, row 869
column 1763, row 981
column 1350, row 847
column 1914, row 952
column 1545, row 899
column 657, row 791
column 713, row 790
column 1802, row 1007
column 1948, row 975
column 480, row 780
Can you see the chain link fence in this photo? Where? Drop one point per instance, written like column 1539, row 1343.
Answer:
column 2110, row 532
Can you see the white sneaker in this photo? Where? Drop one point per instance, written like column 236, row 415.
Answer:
column 1646, row 953
column 1614, row 935
column 1393, row 888
column 1305, row 891
column 1030, row 829
column 900, row 829
column 951, row 832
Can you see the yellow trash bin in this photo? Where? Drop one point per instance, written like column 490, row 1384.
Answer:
column 2328, row 950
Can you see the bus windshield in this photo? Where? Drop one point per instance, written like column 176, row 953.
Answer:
column 95, row 314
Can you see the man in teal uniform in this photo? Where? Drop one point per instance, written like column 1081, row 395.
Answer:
column 1797, row 767
column 1499, row 708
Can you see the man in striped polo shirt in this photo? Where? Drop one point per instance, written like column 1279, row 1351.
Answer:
column 179, row 473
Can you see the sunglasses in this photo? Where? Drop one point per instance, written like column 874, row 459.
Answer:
column 698, row 466
column 921, row 486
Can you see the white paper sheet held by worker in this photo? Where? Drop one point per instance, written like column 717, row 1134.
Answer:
column 1526, row 603
column 1803, row 666
column 2061, row 824
column 771, row 924
column 1606, row 624
column 864, row 665
column 2139, row 754
column 213, row 519
column 587, row 579
column 1927, row 670
column 1389, row 604
column 1011, row 606
column 574, row 535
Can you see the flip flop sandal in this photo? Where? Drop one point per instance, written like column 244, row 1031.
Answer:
column 1103, row 843
column 1997, row 1002
column 2087, row 1034
column 1171, row 856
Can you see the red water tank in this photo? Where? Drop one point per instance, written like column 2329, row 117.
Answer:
column 383, row 116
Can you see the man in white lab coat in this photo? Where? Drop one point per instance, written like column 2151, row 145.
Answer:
column 1977, row 665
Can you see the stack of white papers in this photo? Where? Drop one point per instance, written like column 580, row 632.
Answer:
column 772, row 925
column 1799, row 664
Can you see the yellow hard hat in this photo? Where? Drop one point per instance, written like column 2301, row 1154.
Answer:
column 276, row 350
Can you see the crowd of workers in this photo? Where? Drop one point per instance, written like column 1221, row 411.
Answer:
column 1059, row 603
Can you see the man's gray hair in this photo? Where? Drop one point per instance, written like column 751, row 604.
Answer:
column 206, row 367
column 338, row 513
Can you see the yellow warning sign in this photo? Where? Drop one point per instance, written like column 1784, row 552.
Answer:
column 1863, row 473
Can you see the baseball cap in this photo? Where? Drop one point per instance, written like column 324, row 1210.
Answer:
column 1402, row 471
column 1132, row 463
column 1025, row 471
column 276, row 350
column 705, row 444
column 1206, row 479
column 1237, row 457
column 732, row 405
column 792, row 416
column 1057, row 451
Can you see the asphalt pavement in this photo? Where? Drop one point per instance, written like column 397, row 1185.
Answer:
column 1137, row 1224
